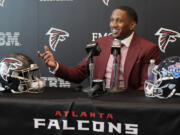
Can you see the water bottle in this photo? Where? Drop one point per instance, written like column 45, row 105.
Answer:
column 150, row 68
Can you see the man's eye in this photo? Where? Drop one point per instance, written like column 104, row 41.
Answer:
column 111, row 20
column 119, row 21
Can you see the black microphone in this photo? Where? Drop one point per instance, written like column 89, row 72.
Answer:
column 116, row 47
column 92, row 49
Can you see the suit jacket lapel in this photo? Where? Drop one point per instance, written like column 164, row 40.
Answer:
column 101, row 62
column 131, row 57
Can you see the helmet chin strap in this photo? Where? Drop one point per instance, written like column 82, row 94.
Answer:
column 35, row 87
column 38, row 84
column 13, row 91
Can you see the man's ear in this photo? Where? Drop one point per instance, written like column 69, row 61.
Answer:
column 132, row 25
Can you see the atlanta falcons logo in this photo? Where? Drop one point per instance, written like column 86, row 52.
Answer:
column 8, row 64
column 1, row 3
column 106, row 2
column 56, row 35
column 166, row 36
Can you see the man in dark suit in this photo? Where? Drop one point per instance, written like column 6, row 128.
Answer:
column 135, row 54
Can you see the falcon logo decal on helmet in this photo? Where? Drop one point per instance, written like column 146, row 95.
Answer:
column 56, row 35
column 8, row 64
column 166, row 36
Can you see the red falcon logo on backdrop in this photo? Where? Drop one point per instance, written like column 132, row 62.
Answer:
column 8, row 64
column 106, row 2
column 166, row 36
column 1, row 3
column 56, row 35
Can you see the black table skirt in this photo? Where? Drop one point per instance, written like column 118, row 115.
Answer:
column 69, row 112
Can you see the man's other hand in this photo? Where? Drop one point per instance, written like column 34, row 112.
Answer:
column 47, row 57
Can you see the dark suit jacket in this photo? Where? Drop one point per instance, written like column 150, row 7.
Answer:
column 136, row 64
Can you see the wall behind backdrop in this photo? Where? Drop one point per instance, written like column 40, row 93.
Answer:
column 66, row 26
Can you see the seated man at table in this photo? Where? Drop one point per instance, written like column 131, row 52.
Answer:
column 135, row 56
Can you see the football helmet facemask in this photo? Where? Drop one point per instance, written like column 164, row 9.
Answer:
column 19, row 74
column 166, row 79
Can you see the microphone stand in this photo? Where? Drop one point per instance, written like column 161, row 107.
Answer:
column 115, row 71
column 96, row 87
column 92, row 50
column 115, row 50
column 91, row 69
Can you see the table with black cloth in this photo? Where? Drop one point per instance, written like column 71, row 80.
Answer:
column 64, row 111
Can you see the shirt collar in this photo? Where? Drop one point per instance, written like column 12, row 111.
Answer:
column 127, row 40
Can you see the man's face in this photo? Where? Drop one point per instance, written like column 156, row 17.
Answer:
column 121, row 24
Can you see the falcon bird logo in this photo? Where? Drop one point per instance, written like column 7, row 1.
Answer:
column 166, row 36
column 106, row 2
column 8, row 64
column 56, row 35
column 1, row 3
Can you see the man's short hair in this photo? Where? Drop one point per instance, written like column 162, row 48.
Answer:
column 130, row 11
